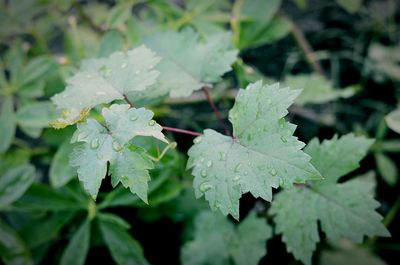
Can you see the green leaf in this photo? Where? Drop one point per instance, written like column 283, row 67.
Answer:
column 119, row 14
column 263, row 153
column 351, row 6
column 104, row 80
column 337, row 157
column 111, row 42
column 12, row 249
column 60, row 170
column 78, row 247
column 35, row 70
column 111, row 143
column 345, row 210
column 8, row 123
column 36, row 116
column 14, row 183
column 40, row 197
column 189, row 63
column 255, row 17
column 123, row 248
column 217, row 240
column 114, row 219
column 393, row 120
column 387, row 168
column 42, row 230
column 315, row 89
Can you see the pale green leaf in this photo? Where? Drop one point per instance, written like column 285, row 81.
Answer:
column 12, row 249
column 188, row 62
column 315, row 89
column 386, row 168
column 337, row 157
column 345, row 210
column 99, row 144
column 393, row 120
column 263, row 153
column 218, row 241
column 14, row 183
column 78, row 247
column 123, row 248
column 111, row 42
column 106, row 79
column 60, row 170
column 8, row 123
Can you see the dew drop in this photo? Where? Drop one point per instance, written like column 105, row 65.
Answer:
column 205, row 186
column 137, row 72
column 283, row 139
column 133, row 118
column 100, row 93
column 197, row 140
column 152, row 122
column 209, row 163
column 273, row 172
column 222, row 156
column 202, row 159
column 117, row 146
column 236, row 178
column 94, row 144
column 123, row 65
column 203, row 173
column 237, row 168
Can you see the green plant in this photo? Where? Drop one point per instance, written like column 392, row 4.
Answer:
column 122, row 104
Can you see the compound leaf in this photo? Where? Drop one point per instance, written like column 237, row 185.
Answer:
column 100, row 144
column 262, row 154
column 104, row 80
column 345, row 210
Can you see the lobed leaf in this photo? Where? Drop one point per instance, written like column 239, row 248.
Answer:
column 262, row 154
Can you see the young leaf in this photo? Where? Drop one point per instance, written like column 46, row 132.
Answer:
column 78, row 247
column 12, row 248
column 345, row 210
column 8, row 123
column 104, row 80
column 100, row 144
column 124, row 249
column 14, row 183
column 188, row 63
column 387, row 168
column 393, row 120
column 217, row 241
column 263, row 153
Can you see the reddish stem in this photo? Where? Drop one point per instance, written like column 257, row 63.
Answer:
column 181, row 131
column 215, row 110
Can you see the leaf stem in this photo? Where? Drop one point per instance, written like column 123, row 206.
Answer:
column 128, row 101
column 171, row 129
column 215, row 110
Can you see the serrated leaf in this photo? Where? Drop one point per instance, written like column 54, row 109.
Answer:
column 263, row 153
column 337, row 157
column 124, row 249
column 217, row 241
column 14, row 183
column 189, row 63
column 104, row 80
column 77, row 249
column 345, row 210
column 100, row 144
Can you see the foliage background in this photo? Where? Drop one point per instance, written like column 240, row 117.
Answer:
column 351, row 86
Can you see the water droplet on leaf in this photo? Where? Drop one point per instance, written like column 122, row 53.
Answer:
column 205, row 186
column 209, row 163
column 222, row 156
column 283, row 139
column 94, row 144
column 117, row 146
column 152, row 122
column 237, row 168
column 273, row 172
column 203, row 173
column 197, row 139
column 123, row 65
column 236, row 178
column 133, row 118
